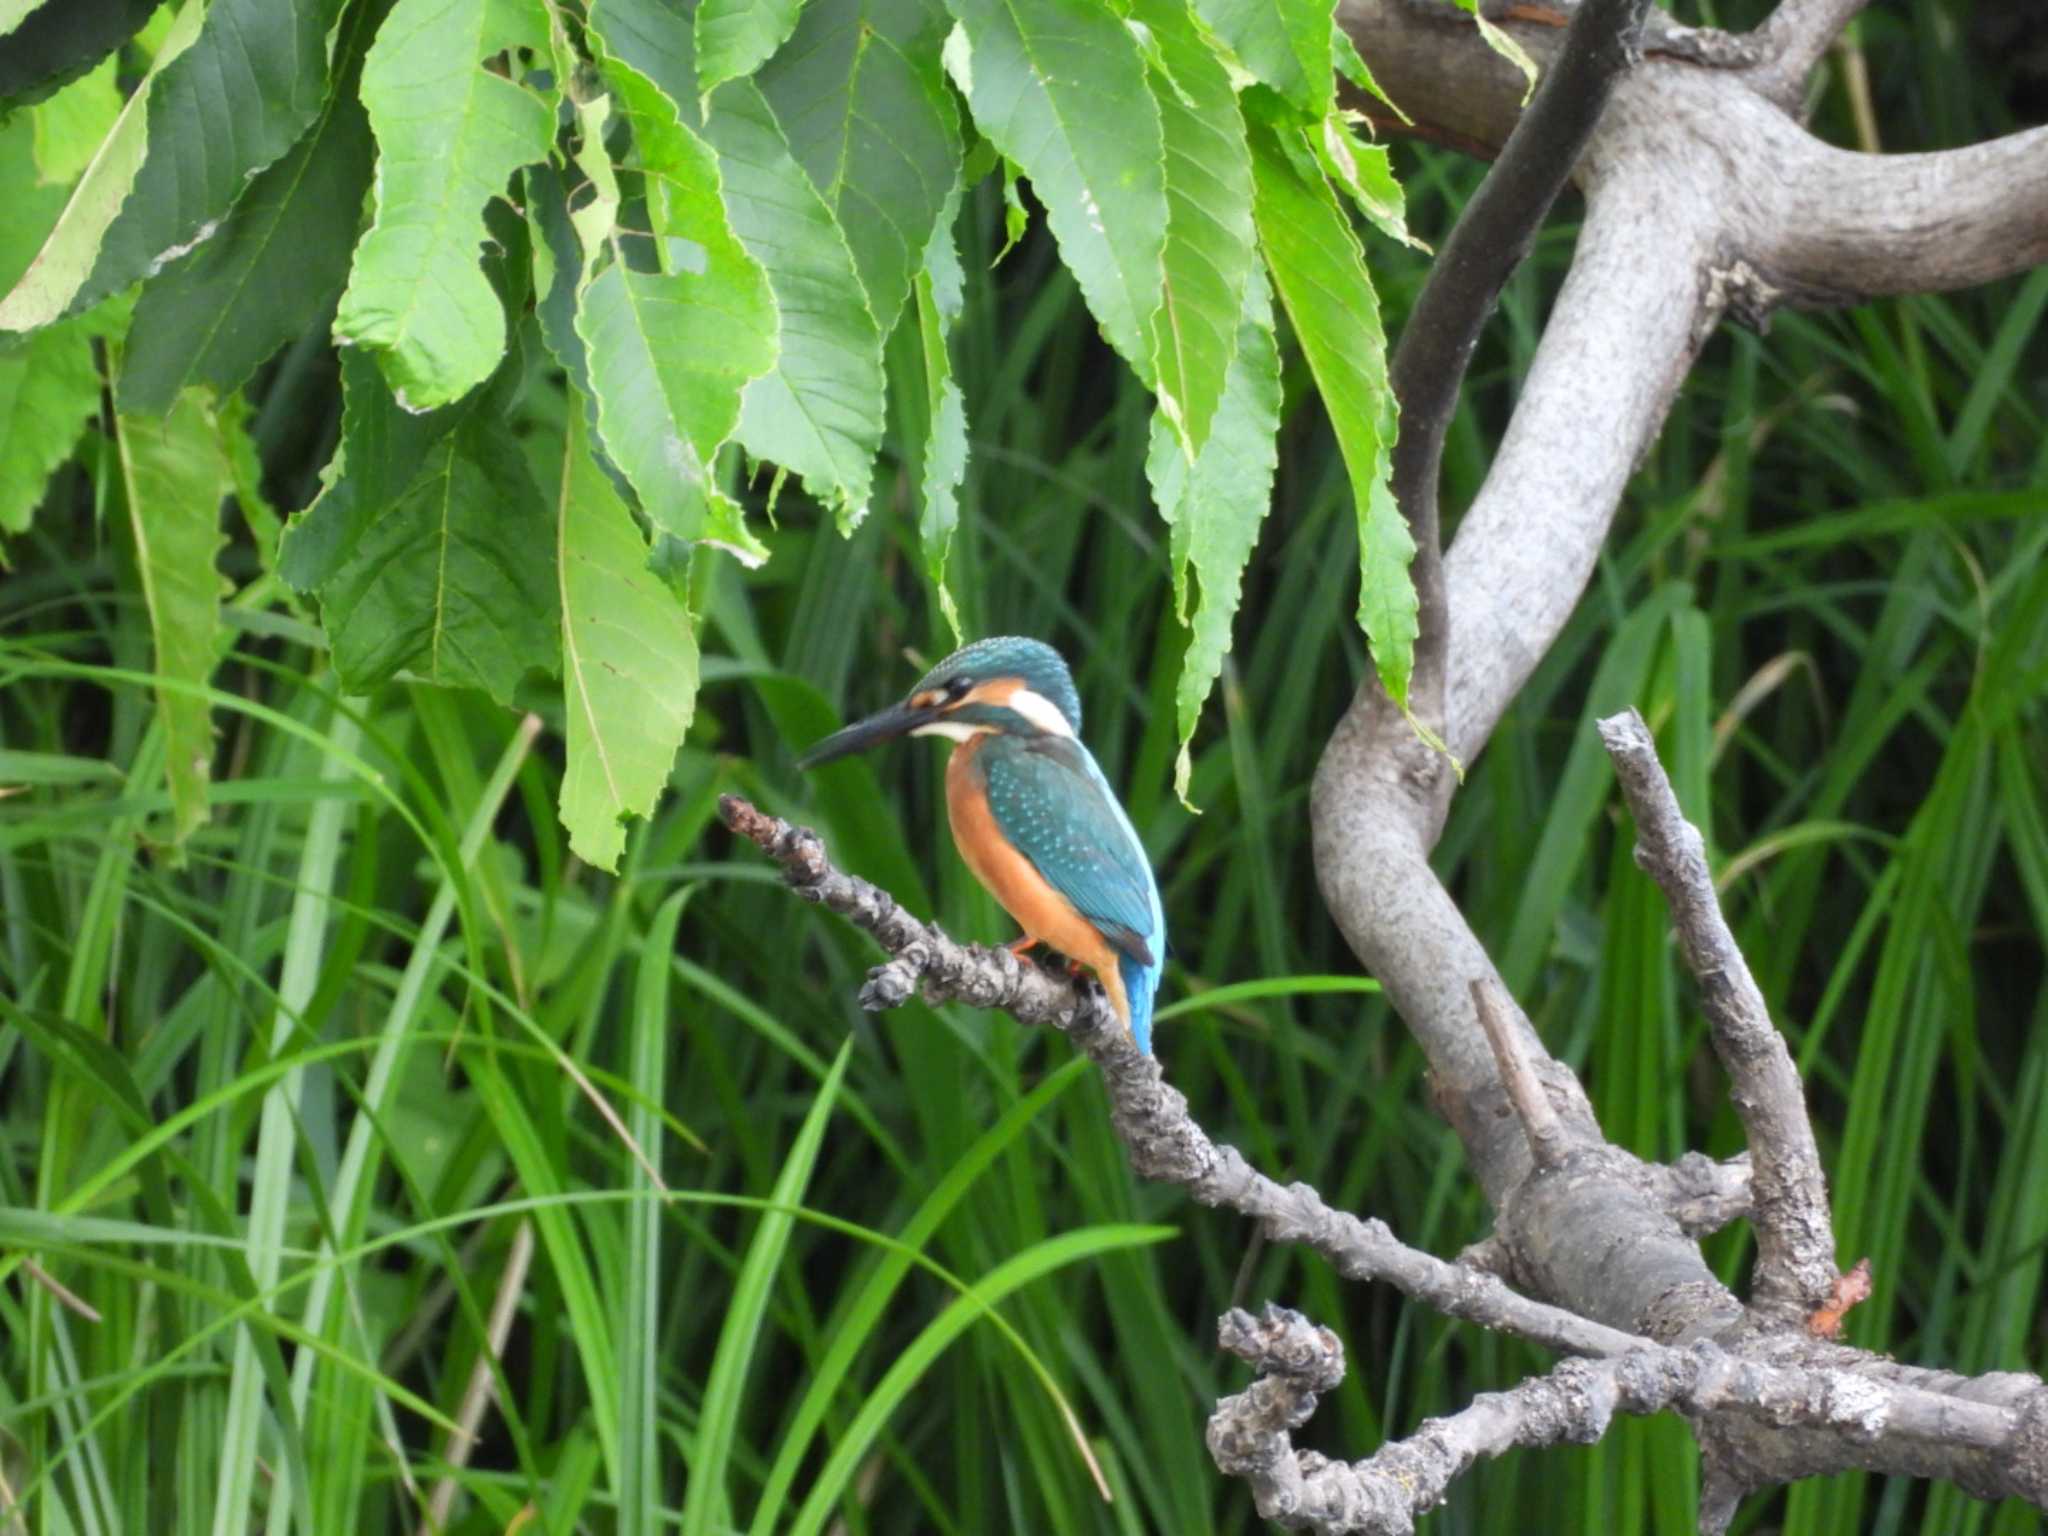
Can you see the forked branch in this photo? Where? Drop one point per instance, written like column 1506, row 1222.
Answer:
column 1849, row 1409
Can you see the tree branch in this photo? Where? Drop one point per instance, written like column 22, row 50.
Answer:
column 1151, row 1117
column 1793, row 41
column 1549, row 1142
column 1769, row 1407
column 1845, row 226
column 1795, row 1242
column 1250, row 1433
column 1490, row 239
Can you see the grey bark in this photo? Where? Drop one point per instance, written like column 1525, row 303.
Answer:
column 1705, row 198
column 1768, row 1406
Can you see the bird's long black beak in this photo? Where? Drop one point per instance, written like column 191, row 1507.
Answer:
column 896, row 720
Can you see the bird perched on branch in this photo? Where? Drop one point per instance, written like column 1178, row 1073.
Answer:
column 1032, row 814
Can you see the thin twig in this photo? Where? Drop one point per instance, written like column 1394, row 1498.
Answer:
column 1795, row 1268
column 1492, row 235
column 1548, row 1142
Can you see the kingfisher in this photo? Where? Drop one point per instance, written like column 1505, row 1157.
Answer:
column 1032, row 814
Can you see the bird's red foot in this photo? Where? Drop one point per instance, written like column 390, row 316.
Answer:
column 1021, row 947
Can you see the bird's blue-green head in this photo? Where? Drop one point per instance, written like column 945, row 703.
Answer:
column 1008, row 685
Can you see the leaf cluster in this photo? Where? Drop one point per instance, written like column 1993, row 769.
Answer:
column 591, row 268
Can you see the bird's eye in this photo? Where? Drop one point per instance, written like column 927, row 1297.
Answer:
column 956, row 688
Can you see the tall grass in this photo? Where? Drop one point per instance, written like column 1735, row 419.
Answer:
column 378, row 1072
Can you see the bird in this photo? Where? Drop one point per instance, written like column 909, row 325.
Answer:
column 1032, row 814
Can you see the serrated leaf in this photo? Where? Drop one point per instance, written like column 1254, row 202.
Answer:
column 819, row 411
column 670, row 351
column 49, row 389
column 559, row 266
column 1352, row 66
column 280, row 257
column 450, row 132
column 210, row 115
column 1365, row 174
column 1285, row 43
column 656, row 38
column 629, row 659
column 70, row 125
column 734, row 37
column 1216, row 504
column 175, row 478
column 1059, row 87
column 1319, row 270
column 51, row 43
column 245, row 477
column 382, row 448
column 455, row 580
column 32, row 208
column 862, row 100
column 1016, row 217
column 938, row 290
column 1503, row 44
column 1210, row 243
column 46, row 288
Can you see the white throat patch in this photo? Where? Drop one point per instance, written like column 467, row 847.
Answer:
column 952, row 730
column 1040, row 711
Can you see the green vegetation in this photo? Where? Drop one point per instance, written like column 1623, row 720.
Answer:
column 324, row 1055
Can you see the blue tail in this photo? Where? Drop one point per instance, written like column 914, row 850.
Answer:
column 1140, row 982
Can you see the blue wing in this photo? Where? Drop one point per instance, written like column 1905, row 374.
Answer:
column 1052, row 803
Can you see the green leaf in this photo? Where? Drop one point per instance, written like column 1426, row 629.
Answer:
column 1353, row 68
column 1503, row 44
column 54, row 42
column 1320, row 273
column 863, row 102
column 629, row 659
column 734, row 37
column 671, row 350
column 1210, row 243
column 1285, row 43
column 1215, row 506
column 1059, row 87
column 32, row 208
column 450, row 132
column 175, row 479
column 1365, row 174
column 245, row 474
column 49, row 389
column 560, row 263
column 70, row 126
column 264, row 279
column 208, row 117
column 455, row 580
column 46, row 289
column 382, row 448
column 938, row 291
column 819, row 411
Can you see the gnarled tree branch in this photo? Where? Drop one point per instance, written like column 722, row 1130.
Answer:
column 1768, row 1407
column 1795, row 1242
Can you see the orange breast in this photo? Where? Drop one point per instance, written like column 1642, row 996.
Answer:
column 1042, row 912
